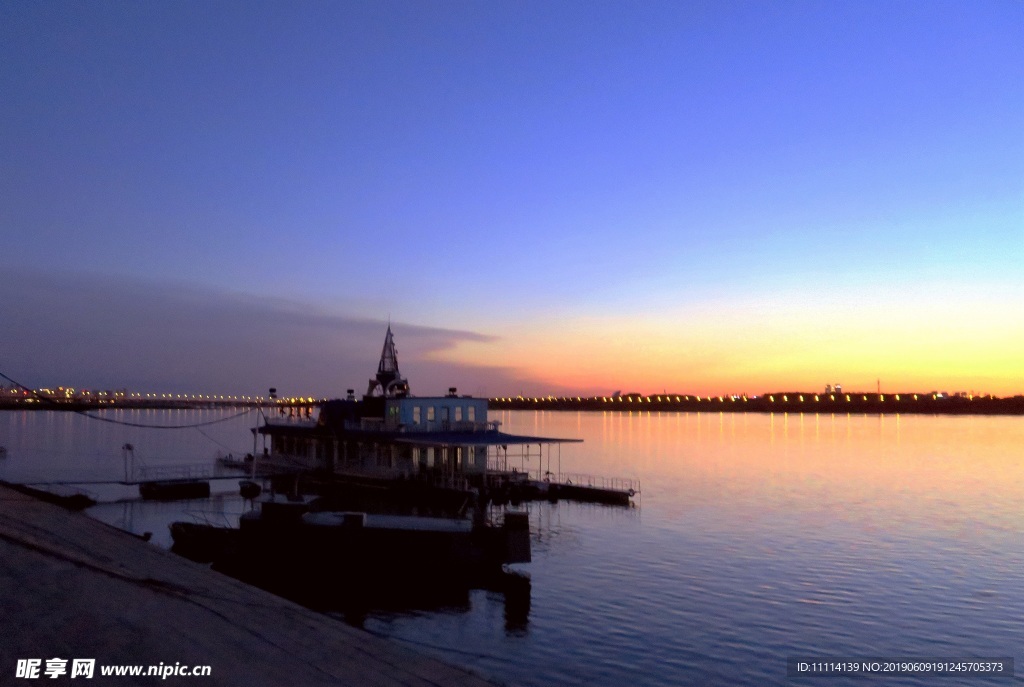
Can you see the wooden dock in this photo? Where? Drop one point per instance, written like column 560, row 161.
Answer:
column 503, row 487
column 74, row 588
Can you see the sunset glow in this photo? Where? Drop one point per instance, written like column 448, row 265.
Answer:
column 541, row 198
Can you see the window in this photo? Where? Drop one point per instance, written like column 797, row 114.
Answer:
column 430, row 413
column 458, row 413
column 471, row 413
column 415, row 415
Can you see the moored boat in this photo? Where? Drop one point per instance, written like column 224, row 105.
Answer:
column 286, row 541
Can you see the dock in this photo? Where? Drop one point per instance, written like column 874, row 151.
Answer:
column 75, row 588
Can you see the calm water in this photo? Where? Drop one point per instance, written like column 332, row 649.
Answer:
column 756, row 537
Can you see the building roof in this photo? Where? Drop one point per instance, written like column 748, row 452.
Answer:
column 411, row 438
column 489, row 438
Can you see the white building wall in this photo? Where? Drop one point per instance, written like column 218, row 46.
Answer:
column 435, row 411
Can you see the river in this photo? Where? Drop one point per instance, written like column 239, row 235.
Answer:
column 755, row 538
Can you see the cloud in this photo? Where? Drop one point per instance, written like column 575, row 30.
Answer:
column 100, row 331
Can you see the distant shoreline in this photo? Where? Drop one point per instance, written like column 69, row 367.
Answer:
column 135, row 404
column 786, row 402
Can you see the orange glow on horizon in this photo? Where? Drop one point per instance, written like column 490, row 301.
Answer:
column 957, row 343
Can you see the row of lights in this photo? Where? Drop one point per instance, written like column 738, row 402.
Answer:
column 832, row 397
column 214, row 397
column 69, row 393
column 680, row 399
column 616, row 399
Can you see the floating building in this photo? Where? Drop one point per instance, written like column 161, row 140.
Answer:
column 391, row 433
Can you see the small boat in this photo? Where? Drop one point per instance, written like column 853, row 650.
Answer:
column 248, row 489
column 202, row 542
column 291, row 541
column 590, row 494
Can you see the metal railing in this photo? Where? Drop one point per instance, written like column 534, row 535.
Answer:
column 377, row 424
column 500, row 465
column 611, row 483
column 153, row 473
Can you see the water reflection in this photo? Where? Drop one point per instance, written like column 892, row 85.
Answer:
column 370, row 599
column 866, row 466
column 759, row 537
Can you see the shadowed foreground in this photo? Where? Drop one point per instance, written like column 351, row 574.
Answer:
column 72, row 587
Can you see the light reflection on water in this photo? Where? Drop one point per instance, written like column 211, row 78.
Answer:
column 760, row 537
column 757, row 537
column 65, row 446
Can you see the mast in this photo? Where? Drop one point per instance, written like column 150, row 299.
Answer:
column 389, row 380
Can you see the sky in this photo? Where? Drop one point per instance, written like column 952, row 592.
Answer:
column 571, row 197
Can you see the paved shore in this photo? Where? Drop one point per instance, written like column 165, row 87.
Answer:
column 75, row 588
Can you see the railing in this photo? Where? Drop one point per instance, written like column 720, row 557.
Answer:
column 290, row 421
column 154, row 473
column 466, row 426
column 612, row 483
column 499, row 465
column 377, row 424
column 284, row 462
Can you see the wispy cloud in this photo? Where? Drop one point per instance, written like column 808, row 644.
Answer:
column 109, row 332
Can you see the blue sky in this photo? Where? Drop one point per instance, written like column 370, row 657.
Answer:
column 525, row 176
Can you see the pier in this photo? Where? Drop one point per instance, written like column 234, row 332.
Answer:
column 74, row 588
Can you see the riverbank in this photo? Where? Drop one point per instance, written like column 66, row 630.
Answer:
column 782, row 402
column 930, row 403
column 74, row 588
column 78, row 405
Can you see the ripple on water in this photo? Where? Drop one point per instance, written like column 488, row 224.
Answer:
column 758, row 538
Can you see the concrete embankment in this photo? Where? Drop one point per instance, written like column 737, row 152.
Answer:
column 74, row 588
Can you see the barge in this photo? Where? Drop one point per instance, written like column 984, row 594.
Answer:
column 393, row 437
column 304, row 544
